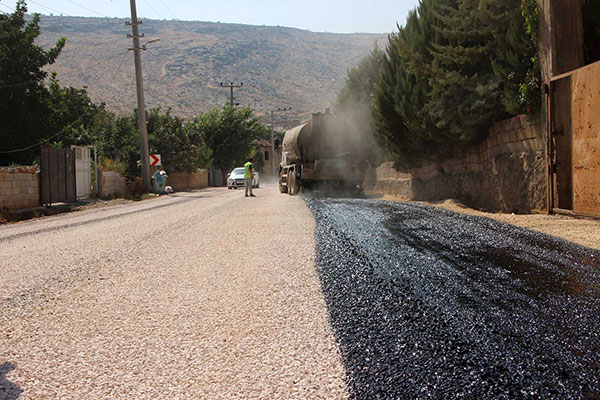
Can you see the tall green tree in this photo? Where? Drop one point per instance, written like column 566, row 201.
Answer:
column 24, row 106
column 354, row 102
column 453, row 70
column 401, row 116
column 229, row 133
column 181, row 145
column 466, row 98
column 361, row 81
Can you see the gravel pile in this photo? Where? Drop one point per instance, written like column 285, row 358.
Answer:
column 206, row 295
column 427, row 303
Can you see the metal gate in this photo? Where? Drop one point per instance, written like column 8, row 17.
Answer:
column 57, row 175
column 83, row 171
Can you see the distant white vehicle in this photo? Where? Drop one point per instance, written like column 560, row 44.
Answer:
column 235, row 179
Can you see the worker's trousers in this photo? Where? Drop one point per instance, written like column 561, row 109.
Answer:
column 248, row 185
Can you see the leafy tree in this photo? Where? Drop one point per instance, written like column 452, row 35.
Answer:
column 24, row 104
column 229, row 133
column 72, row 115
column 181, row 145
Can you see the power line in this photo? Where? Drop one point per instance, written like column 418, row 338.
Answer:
column 89, row 9
column 7, row 7
column 152, row 8
column 18, row 84
column 46, row 7
column 168, row 9
column 32, row 146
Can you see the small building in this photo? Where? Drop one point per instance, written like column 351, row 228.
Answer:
column 271, row 160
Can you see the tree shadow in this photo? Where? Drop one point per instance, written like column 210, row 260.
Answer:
column 8, row 390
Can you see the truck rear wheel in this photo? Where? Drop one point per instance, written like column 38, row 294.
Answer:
column 292, row 183
column 282, row 189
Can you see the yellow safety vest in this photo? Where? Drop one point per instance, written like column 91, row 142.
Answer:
column 247, row 173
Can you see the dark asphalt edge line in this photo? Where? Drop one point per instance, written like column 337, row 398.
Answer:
column 88, row 222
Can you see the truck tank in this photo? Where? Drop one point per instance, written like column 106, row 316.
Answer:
column 320, row 152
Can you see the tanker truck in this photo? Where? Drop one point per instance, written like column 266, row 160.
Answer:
column 324, row 152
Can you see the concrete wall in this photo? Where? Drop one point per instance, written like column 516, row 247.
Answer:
column 181, row 181
column 19, row 188
column 111, row 185
column 506, row 172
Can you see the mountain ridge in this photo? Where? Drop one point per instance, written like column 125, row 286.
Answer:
column 279, row 66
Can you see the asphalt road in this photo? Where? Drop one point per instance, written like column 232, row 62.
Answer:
column 202, row 295
column 211, row 295
column 427, row 303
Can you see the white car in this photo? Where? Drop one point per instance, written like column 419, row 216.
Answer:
column 235, row 179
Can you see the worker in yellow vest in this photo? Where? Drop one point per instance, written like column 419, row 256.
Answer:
column 248, row 175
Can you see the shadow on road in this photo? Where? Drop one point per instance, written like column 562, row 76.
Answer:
column 8, row 390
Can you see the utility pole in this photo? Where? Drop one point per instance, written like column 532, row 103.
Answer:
column 272, row 140
column 140, row 95
column 231, row 86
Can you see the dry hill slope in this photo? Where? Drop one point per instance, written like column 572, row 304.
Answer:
column 278, row 66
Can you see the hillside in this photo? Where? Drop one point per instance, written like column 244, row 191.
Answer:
column 278, row 66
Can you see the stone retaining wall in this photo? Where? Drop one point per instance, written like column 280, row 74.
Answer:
column 111, row 185
column 19, row 188
column 506, row 172
column 181, row 181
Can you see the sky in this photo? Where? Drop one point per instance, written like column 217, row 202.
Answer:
column 337, row 16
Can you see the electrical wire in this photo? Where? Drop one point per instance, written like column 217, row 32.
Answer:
column 89, row 9
column 18, row 84
column 32, row 146
column 152, row 8
column 7, row 7
column 46, row 7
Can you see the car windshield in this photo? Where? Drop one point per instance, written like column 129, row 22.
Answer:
column 237, row 171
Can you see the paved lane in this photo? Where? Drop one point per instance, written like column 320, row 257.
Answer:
column 427, row 303
column 181, row 297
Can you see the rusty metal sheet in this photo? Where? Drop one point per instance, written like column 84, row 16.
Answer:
column 586, row 139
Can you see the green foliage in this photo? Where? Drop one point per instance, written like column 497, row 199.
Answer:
column 361, row 82
column 354, row 102
column 24, row 100
column 591, row 30
column 228, row 133
column 453, row 70
column 181, row 145
column 528, row 70
column 33, row 112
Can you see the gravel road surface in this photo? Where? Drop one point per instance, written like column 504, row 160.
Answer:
column 202, row 295
column 427, row 303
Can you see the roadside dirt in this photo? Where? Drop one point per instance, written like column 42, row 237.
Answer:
column 583, row 231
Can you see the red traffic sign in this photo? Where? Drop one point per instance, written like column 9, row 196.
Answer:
column 155, row 160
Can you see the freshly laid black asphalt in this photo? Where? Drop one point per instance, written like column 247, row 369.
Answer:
column 426, row 303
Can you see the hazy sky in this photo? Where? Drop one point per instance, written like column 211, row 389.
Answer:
column 343, row 16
